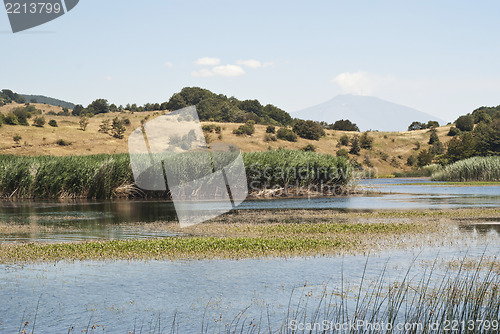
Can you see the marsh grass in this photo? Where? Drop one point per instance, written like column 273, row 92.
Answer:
column 110, row 176
column 473, row 169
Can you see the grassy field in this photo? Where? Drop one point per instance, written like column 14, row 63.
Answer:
column 389, row 153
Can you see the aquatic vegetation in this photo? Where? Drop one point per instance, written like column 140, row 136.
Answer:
column 473, row 169
column 110, row 176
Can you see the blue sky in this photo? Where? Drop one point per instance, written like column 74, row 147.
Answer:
column 438, row 57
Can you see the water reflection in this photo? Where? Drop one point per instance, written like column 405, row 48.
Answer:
column 103, row 219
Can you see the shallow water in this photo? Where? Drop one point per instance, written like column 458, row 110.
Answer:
column 102, row 219
column 122, row 295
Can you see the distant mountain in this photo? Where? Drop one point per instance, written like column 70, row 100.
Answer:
column 48, row 100
column 368, row 112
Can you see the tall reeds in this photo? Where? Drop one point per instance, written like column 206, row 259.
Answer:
column 473, row 169
column 109, row 176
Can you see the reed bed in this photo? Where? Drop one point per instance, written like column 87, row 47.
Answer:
column 110, row 176
column 473, row 169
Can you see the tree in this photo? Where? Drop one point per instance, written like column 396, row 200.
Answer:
column 99, row 106
column 118, row 128
column 432, row 124
column 279, row 115
column 344, row 125
column 465, row 123
column 53, row 123
column 434, row 138
column 105, row 126
column 411, row 161
column 84, row 122
column 308, row 129
column 252, row 106
column 417, row 126
column 365, row 141
column 17, row 138
column 487, row 136
column 271, row 129
column 77, row 110
column 424, row 158
column 355, row 148
column 461, row 147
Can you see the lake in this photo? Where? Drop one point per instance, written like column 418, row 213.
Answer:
column 122, row 296
column 103, row 219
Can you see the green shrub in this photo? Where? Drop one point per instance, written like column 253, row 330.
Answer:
column 344, row 140
column 53, row 123
column 355, row 147
column 424, row 158
column 453, row 132
column 39, row 121
column 411, row 161
column 342, row 153
column 365, row 141
column 434, row 138
column 62, row 142
column 11, row 119
column 286, row 134
column 271, row 129
column 308, row 129
column 465, row 123
column 246, row 129
column 270, row 137
column 309, row 148
column 344, row 125
column 17, row 139
column 118, row 128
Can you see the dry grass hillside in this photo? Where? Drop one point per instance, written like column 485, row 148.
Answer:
column 389, row 153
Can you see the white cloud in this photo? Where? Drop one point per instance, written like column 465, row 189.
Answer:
column 207, row 61
column 202, row 73
column 169, row 64
column 108, row 77
column 228, row 70
column 223, row 71
column 270, row 63
column 359, row 83
column 252, row 63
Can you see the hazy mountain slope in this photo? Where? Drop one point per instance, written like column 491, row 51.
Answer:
column 48, row 100
column 369, row 113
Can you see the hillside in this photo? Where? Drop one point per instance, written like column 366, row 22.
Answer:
column 368, row 112
column 389, row 153
column 48, row 100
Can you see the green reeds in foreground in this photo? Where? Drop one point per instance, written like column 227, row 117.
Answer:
column 109, row 176
column 473, row 169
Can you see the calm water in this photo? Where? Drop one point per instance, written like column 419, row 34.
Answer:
column 121, row 295
column 101, row 220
